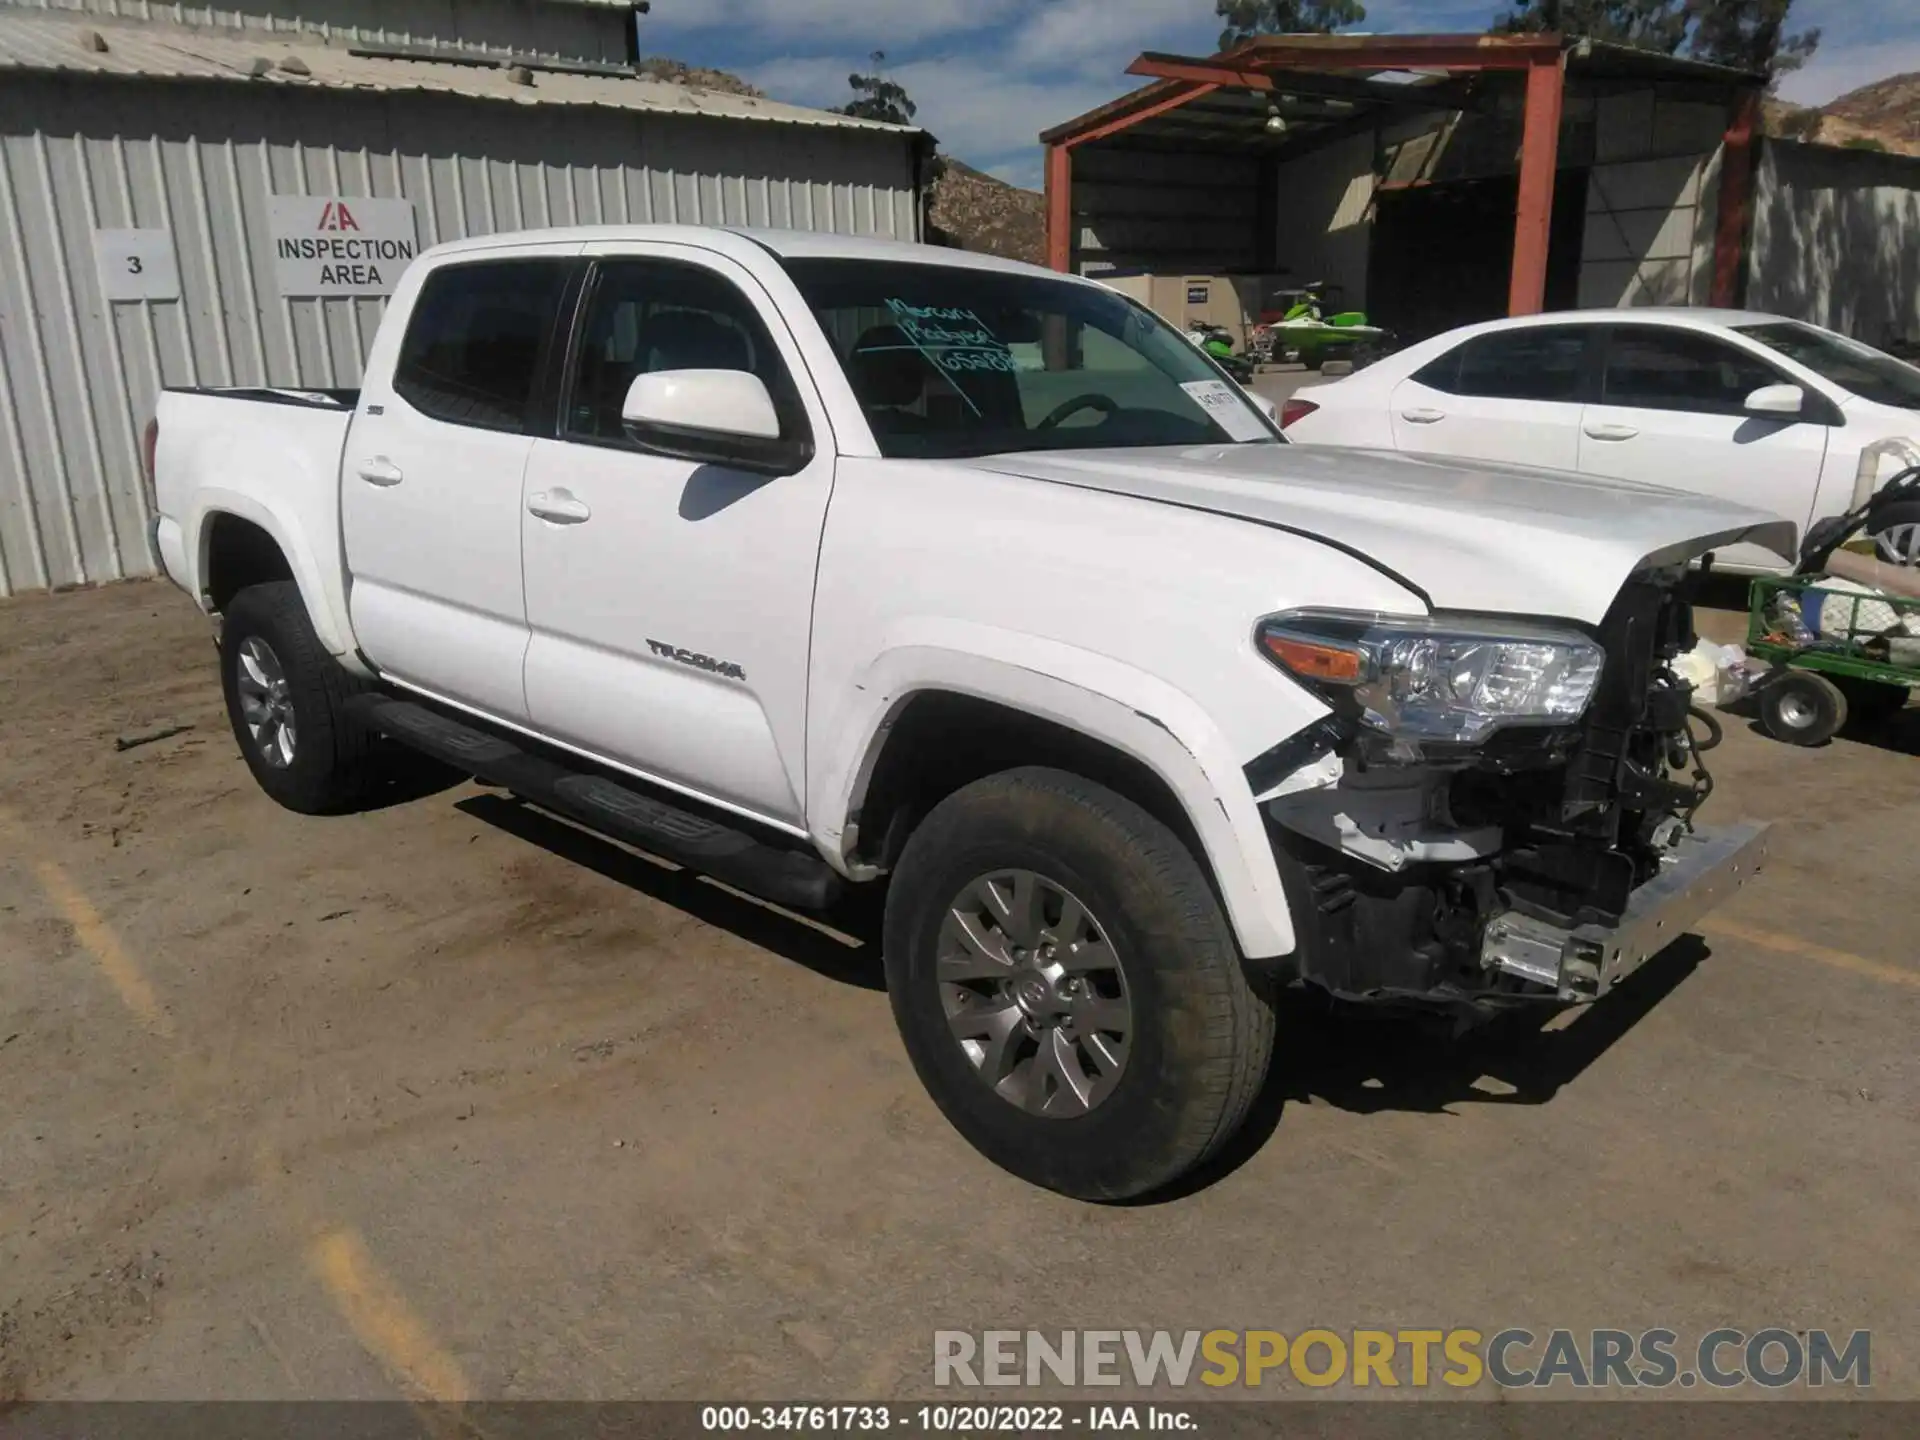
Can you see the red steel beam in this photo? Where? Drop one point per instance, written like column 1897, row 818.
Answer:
column 1736, row 199
column 1539, row 159
column 1060, row 208
column 1185, row 95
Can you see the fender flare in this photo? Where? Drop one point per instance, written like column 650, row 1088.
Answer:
column 324, row 608
column 1104, row 699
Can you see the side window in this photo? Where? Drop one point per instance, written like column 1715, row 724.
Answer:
column 647, row 316
column 1542, row 364
column 472, row 351
column 1661, row 369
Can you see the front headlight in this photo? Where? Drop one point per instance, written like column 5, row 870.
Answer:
column 1439, row 679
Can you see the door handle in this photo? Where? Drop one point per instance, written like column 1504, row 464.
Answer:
column 1423, row 417
column 1611, row 432
column 559, row 508
column 381, row 471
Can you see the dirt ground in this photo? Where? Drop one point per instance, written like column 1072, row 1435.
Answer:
column 452, row 1099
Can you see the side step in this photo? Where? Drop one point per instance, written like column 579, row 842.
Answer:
column 786, row 877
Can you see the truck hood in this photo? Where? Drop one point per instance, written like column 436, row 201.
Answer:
column 1489, row 538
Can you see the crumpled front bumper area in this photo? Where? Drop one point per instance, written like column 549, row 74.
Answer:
column 1705, row 870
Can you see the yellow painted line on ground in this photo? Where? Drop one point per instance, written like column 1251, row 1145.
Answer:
column 129, row 981
column 367, row 1299
column 1819, row 954
column 381, row 1319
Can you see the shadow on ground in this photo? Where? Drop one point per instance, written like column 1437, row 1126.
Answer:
column 843, row 946
column 1360, row 1060
column 1367, row 1061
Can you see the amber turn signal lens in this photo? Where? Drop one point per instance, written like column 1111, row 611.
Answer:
column 1316, row 660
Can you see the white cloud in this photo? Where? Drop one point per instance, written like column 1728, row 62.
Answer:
column 1068, row 32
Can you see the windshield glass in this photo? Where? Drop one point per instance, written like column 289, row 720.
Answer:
column 951, row 363
column 1869, row 373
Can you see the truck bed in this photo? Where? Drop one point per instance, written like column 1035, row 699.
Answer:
column 269, row 457
column 273, row 395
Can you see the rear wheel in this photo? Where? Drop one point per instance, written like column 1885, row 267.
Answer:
column 285, row 699
column 1068, row 989
column 1802, row 708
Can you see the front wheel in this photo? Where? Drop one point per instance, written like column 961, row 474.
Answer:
column 285, row 699
column 1068, row 989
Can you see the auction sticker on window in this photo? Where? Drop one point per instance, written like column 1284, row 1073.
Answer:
column 1228, row 409
column 328, row 246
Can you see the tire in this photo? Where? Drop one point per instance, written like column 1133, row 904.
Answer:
column 1802, row 708
column 332, row 767
column 1896, row 532
column 1870, row 703
column 1198, row 1035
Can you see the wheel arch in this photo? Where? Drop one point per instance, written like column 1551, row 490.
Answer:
column 241, row 542
column 939, row 719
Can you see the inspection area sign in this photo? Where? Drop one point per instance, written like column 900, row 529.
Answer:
column 340, row 247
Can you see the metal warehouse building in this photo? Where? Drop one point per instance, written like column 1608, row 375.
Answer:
column 1443, row 179
column 224, row 195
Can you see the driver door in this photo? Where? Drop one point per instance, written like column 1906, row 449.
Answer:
column 671, row 602
column 1672, row 412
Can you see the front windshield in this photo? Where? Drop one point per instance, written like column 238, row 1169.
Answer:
column 950, row 363
column 1869, row 373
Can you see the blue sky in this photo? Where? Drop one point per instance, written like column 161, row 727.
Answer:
column 989, row 75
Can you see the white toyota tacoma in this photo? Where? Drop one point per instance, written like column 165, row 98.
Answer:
column 812, row 563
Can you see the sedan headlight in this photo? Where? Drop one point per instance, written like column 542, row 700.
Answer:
column 1439, row 679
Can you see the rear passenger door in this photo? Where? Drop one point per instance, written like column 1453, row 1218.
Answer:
column 1513, row 396
column 431, row 481
column 1672, row 411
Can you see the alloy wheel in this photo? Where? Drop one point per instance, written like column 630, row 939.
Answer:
column 1035, row 994
column 266, row 702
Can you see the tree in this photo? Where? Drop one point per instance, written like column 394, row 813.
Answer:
column 1248, row 18
column 1750, row 35
column 1648, row 24
column 1745, row 34
column 878, row 98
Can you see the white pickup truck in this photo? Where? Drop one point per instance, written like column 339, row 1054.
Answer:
column 810, row 562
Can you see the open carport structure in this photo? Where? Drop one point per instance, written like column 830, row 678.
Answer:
column 1609, row 174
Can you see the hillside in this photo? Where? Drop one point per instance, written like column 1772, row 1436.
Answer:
column 981, row 213
column 1884, row 116
column 1888, row 108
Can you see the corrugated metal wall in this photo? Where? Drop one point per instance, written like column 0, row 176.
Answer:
column 1836, row 240
column 532, row 27
column 1167, row 212
column 79, row 377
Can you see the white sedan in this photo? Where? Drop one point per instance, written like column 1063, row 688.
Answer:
column 1750, row 407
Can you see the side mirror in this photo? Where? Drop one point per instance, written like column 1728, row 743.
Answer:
column 712, row 417
column 1788, row 402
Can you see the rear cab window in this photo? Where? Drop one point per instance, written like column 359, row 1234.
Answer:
column 1541, row 363
column 477, row 340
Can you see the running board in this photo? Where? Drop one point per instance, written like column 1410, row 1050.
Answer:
column 786, row 877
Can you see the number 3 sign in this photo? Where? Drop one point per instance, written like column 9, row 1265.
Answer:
column 136, row 264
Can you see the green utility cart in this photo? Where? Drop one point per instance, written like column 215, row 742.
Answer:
column 1826, row 673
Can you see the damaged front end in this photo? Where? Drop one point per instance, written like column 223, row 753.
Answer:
column 1496, row 814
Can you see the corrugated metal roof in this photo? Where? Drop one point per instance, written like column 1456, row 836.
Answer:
column 47, row 45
